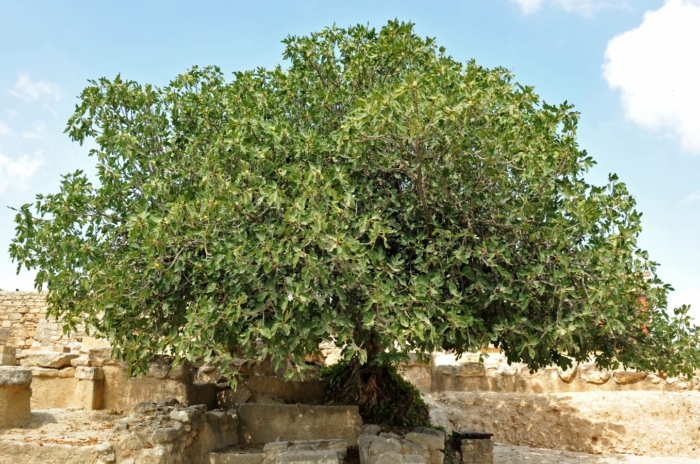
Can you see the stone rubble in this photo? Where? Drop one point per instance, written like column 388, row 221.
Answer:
column 420, row 446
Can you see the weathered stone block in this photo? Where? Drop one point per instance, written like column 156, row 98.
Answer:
column 309, row 457
column 263, row 423
column 89, row 373
column 592, row 375
column 11, row 376
column 48, row 359
column 432, row 439
column 15, row 396
column 628, row 377
column 237, row 457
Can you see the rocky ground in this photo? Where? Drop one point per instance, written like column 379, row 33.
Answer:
column 505, row 454
column 639, row 423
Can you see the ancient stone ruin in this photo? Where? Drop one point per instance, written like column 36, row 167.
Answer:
column 64, row 399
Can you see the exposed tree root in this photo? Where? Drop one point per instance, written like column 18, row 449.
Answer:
column 382, row 395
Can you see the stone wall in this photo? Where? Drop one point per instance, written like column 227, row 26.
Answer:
column 444, row 373
column 23, row 323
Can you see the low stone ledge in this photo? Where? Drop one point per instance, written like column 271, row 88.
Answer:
column 309, row 451
column 15, row 395
column 265, row 423
column 48, row 359
column 89, row 373
column 11, row 376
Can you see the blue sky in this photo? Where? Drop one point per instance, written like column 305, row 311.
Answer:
column 630, row 68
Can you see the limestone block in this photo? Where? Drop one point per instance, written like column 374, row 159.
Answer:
column 4, row 349
column 89, row 373
column 48, row 359
column 385, row 458
column 11, row 376
column 66, row 372
column 370, row 429
column 628, row 377
column 432, row 439
column 15, row 396
column 230, row 399
column 181, row 371
column 309, row 457
column 132, row 441
column 164, row 435
column 43, row 372
column 7, row 359
column 263, row 423
column 471, row 369
column 158, row 370
column 235, row 457
column 437, row 457
column 145, row 407
column 100, row 356
column 592, row 375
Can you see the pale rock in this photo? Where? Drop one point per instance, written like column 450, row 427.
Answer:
column 370, row 429
column 471, row 369
column 43, row 372
column 592, row 375
column 308, row 457
column 430, row 438
column 437, row 457
column 628, row 377
column 89, row 373
column 13, row 376
column 132, row 441
column 165, row 435
column 145, row 407
column 100, row 356
column 66, row 372
column 180, row 416
column 386, row 458
column 49, row 359
column 82, row 361
column 158, row 370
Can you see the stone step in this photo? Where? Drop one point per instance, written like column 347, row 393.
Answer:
column 259, row 424
column 236, row 457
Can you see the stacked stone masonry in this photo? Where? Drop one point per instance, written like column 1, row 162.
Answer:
column 476, row 451
column 420, row 446
column 23, row 323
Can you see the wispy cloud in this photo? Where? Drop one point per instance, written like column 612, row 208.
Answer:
column 693, row 197
column 583, row 7
column 656, row 67
column 37, row 132
column 5, row 129
column 27, row 89
column 15, row 173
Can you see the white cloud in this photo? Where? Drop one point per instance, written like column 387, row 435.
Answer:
column 584, row 7
column 37, row 132
column 656, row 67
column 692, row 198
column 15, row 173
column 28, row 90
column 529, row 6
column 4, row 129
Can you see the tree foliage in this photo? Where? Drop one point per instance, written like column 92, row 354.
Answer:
column 374, row 192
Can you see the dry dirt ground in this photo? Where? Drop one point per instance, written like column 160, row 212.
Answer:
column 653, row 424
column 506, row 454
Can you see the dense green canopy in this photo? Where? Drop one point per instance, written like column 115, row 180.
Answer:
column 374, row 192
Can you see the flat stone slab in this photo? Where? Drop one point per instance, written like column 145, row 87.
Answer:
column 48, row 359
column 264, row 423
column 12, row 376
